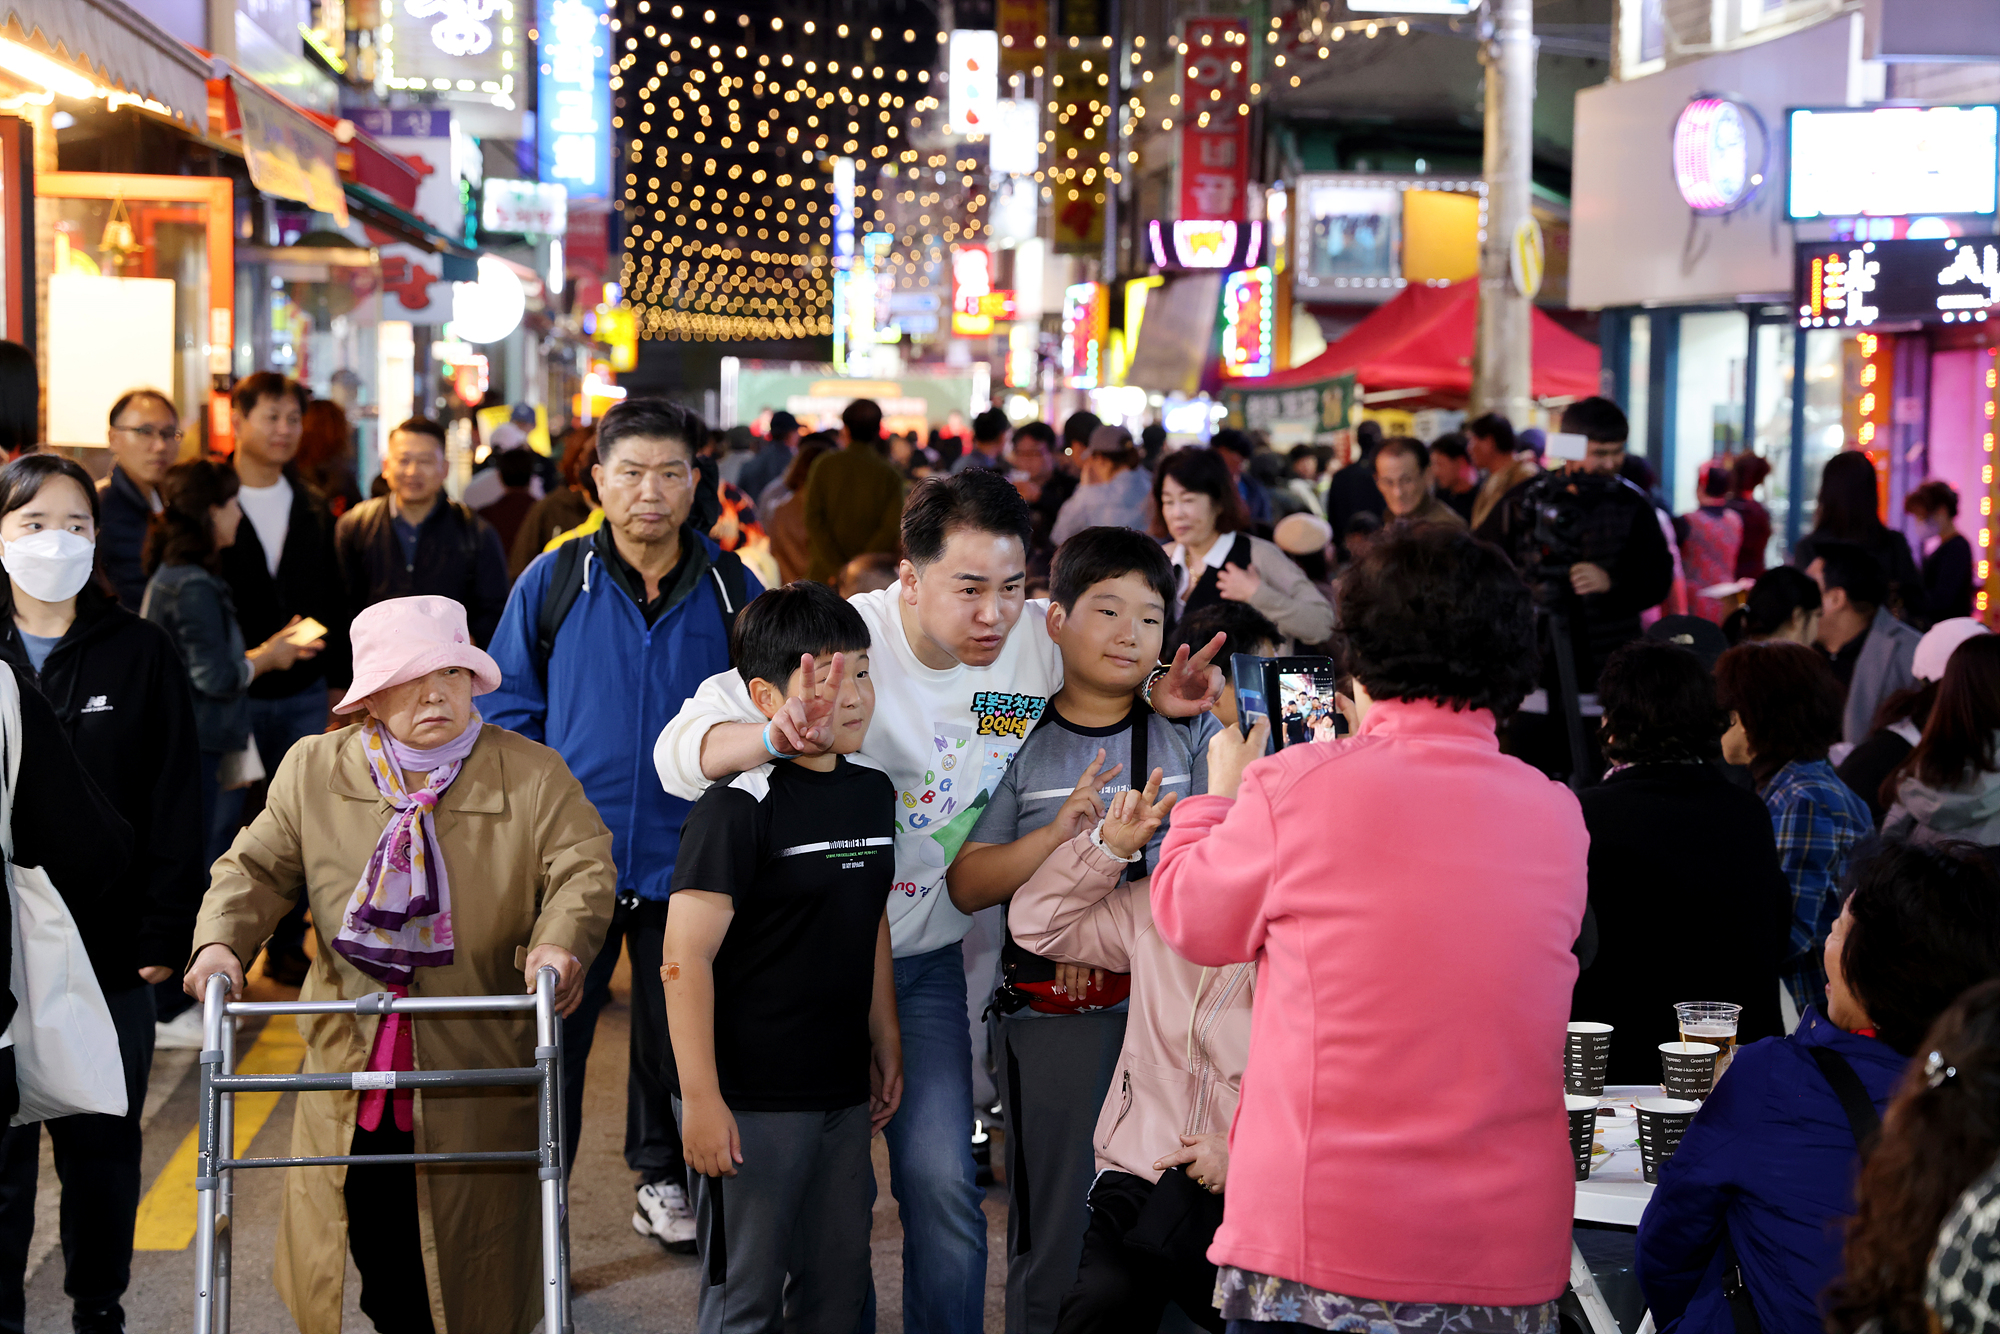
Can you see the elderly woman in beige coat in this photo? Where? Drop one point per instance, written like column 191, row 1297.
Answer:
column 441, row 857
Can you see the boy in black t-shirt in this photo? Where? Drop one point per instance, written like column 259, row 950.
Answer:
column 781, row 999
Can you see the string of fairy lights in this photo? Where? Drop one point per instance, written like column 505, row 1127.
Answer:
column 729, row 122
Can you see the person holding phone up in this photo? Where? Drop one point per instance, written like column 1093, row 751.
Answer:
column 197, row 522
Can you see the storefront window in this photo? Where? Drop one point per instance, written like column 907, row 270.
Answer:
column 130, row 301
column 313, row 313
column 1708, row 403
column 1773, row 437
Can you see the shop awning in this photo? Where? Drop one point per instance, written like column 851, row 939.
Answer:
column 460, row 264
column 1178, row 335
column 122, row 48
column 289, row 154
column 363, row 161
column 1423, row 338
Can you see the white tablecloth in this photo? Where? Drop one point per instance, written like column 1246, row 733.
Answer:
column 1617, row 1191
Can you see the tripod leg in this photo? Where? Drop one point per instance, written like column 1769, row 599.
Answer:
column 1572, row 709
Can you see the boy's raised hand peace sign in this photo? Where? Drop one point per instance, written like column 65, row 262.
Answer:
column 1135, row 816
column 1083, row 807
column 804, row 725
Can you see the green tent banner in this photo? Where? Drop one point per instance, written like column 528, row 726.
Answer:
column 1327, row 405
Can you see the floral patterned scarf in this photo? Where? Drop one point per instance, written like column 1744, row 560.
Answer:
column 399, row 916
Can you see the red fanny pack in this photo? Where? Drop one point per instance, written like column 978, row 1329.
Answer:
column 1029, row 982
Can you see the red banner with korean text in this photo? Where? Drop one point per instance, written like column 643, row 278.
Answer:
column 1214, row 118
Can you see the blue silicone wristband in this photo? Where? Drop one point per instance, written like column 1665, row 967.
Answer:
column 775, row 753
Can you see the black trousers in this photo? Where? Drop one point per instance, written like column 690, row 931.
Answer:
column 652, row 1139
column 1120, row 1290
column 97, row 1160
column 383, row 1234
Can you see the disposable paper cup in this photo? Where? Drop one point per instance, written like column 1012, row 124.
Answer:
column 1586, row 1055
column 1582, row 1131
column 1687, row 1069
column 1662, row 1122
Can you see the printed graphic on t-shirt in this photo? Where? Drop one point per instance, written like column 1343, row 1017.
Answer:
column 966, row 764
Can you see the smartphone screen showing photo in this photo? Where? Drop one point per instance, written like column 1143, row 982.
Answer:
column 1305, row 702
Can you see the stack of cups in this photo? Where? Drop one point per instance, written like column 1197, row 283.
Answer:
column 1687, row 1069
column 1582, row 1131
column 1712, row 1022
column 1662, row 1122
column 1586, row 1056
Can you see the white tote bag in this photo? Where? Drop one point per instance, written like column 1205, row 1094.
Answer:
column 66, row 1057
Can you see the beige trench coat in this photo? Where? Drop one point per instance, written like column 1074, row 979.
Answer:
column 530, row 864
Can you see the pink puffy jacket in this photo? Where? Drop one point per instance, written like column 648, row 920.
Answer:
column 1410, row 896
column 1188, row 1033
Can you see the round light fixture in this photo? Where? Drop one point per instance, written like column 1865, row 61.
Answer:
column 490, row 309
column 1719, row 152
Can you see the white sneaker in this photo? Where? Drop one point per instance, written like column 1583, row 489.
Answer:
column 180, row 1033
column 662, row 1213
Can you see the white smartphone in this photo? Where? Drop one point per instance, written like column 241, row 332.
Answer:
column 305, row 632
column 1566, row 447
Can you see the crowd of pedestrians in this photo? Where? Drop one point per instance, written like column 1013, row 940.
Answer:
column 1269, row 1042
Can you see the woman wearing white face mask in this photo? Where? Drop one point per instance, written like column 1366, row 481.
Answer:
column 121, row 694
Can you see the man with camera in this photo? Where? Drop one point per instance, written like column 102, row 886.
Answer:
column 1590, row 544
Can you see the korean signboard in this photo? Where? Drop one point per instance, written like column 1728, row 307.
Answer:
column 1214, row 123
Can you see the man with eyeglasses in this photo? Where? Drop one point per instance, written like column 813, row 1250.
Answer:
column 145, row 440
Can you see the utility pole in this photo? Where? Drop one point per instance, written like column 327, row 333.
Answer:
column 1502, row 362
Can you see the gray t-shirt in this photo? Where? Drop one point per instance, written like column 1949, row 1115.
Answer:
column 1056, row 753
column 38, row 648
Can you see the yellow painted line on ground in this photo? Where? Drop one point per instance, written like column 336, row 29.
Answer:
column 166, row 1214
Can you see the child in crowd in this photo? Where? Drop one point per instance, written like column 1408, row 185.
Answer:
column 1244, row 630
column 780, row 989
column 1060, row 1040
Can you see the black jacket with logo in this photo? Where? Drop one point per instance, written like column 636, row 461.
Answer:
column 458, row 556
column 307, row 584
column 121, row 695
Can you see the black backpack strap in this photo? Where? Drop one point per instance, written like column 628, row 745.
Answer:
column 565, row 583
column 1862, row 1119
column 1142, row 727
column 732, row 592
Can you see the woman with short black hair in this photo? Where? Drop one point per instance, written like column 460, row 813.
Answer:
column 1761, row 1181
column 1386, row 1128
column 1847, row 512
column 1216, row 557
column 1784, row 716
column 1704, row 913
column 1783, row 604
column 1947, row 569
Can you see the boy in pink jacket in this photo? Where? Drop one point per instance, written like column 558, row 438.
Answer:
column 1400, row 1153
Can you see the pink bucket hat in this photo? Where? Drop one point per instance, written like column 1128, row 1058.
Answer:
column 405, row 638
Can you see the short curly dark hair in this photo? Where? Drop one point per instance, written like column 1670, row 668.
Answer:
column 1659, row 705
column 1433, row 613
column 1925, row 925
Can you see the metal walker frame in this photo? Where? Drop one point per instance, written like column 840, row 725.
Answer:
column 216, row 1166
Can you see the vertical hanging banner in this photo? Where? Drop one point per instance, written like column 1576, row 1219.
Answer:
column 1022, row 22
column 975, row 81
column 843, row 213
column 1214, row 160
column 1081, row 149
column 573, row 93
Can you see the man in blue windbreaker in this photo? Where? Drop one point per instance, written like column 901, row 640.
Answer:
column 602, row 640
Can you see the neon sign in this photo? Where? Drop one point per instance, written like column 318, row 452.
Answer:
column 452, row 47
column 1718, row 154
column 1205, row 243
column 1246, row 323
column 1856, row 285
column 1085, row 329
column 573, row 142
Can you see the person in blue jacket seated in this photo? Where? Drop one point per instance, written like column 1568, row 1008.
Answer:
column 1763, row 1181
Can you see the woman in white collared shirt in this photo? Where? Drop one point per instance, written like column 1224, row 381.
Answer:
column 1216, row 558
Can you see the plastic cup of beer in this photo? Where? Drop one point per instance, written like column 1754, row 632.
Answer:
column 1710, row 1021
column 1586, row 1056
column 1687, row 1069
column 1582, row 1131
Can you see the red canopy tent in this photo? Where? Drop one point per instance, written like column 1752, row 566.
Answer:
column 1423, row 339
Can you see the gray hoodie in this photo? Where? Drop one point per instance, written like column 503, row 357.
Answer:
column 1925, row 814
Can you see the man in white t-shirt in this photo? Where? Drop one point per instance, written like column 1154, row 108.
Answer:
column 956, row 692
column 281, row 569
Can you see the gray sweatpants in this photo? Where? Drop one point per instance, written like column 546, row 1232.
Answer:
column 784, row 1242
column 1054, row 1074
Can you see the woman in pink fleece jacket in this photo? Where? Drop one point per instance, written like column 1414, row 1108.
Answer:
column 1410, row 896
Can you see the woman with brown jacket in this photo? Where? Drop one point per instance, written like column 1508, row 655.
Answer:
column 380, row 827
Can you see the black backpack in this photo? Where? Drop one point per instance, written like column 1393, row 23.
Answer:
column 726, row 576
